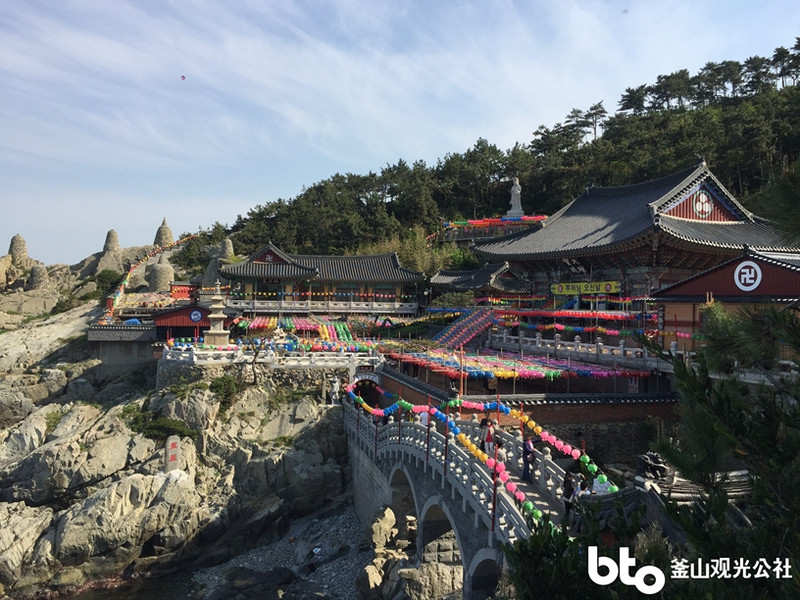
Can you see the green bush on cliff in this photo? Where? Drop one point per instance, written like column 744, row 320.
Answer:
column 226, row 387
column 155, row 427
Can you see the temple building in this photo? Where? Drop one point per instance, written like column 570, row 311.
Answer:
column 271, row 281
column 648, row 256
column 751, row 279
column 634, row 240
column 489, row 282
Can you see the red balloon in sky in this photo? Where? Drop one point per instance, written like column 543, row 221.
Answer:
column 183, row 76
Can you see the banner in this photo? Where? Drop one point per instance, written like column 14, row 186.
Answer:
column 586, row 287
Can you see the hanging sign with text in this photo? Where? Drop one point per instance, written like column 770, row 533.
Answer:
column 586, row 287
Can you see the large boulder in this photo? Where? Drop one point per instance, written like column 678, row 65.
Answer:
column 198, row 409
column 20, row 527
column 108, row 532
column 14, row 407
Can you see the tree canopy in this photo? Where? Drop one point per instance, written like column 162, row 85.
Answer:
column 742, row 118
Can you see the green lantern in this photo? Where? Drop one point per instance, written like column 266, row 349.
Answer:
column 592, row 468
column 602, row 478
column 585, row 459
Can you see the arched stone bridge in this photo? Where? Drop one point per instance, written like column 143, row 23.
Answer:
column 462, row 517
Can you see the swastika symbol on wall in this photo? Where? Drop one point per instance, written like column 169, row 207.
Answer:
column 747, row 276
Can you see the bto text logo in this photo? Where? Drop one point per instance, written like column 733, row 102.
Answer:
column 623, row 570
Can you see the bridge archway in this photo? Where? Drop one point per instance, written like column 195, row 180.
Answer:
column 439, row 542
column 402, row 501
column 483, row 574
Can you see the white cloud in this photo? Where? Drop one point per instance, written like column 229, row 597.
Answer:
column 280, row 95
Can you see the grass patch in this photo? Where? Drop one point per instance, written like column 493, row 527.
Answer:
column 155, row 427
column 183, row 389
column 280, row 398
column 52, row 420
column 31, row 318
column 226, row 388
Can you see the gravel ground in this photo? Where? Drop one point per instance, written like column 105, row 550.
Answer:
column 328, row 549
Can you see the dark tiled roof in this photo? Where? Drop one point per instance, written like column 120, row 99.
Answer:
column 755, row 233
column 490, row 275
column 614, row 218
column 260, row 270
column 368, row 268
column 598, row 218
column 376, row 268
column 121, row 333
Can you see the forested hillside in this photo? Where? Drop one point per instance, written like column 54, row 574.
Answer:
column 742, row 118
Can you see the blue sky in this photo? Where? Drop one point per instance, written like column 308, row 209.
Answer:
column 99, row 131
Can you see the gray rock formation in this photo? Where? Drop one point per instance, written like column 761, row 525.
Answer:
column 163, row 235
column 160, row 275
column 112, row 242
column 18, row 250
column 38, row 278
column 218, row 256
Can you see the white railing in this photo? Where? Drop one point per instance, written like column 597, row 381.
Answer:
column 470, row 478
column 621, row 354
column 323, row 306
column 288, row 360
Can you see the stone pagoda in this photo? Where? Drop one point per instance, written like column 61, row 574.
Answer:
column 217, row 335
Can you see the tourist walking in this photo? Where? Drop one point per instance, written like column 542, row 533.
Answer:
column 568, row 491
column 502, row 455
column 489, row 438
column 482, row 432
column 528, row 459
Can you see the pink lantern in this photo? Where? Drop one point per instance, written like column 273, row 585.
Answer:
column 432, row 410
column 500, row 467
column 567, row 449
column 544, row 435
column 490, row 462
column 511, row 487
column 519, row 496
column 576, row 454
column 552, row 439
column 558, row 444
column 503, row 476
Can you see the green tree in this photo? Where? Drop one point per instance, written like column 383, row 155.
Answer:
column 727, row 422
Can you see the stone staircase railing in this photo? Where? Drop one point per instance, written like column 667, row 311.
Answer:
column 448, row 461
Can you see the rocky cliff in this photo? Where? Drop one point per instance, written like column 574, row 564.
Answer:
column 83, row 490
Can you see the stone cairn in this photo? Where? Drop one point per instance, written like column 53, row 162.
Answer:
column 160, row 275
column 38, row 278
column 18, row 250
column 164, row 235
column 112, row 242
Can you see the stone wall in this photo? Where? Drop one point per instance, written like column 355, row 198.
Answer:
column 307, row 378
column 371, row 489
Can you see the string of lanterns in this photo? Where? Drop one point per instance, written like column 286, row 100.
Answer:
column 120, row 291
column 500, row 468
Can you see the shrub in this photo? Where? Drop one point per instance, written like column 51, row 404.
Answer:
column 226, row 387
column 155, row 427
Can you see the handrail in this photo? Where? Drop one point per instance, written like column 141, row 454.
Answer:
column 414, row 442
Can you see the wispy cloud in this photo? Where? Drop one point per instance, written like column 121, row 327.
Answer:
column 179, row 103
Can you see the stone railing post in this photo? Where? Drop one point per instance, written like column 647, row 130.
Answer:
column 538, row 341
column 622, row 348
column 673, row 347
column 577, row 343
column 598, row 347
column 544, row 468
